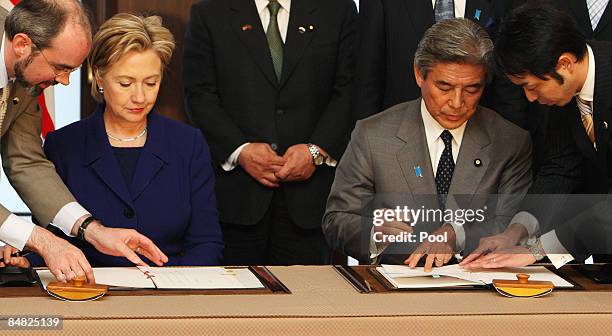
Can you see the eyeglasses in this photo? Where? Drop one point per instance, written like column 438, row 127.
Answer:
column 54, row 68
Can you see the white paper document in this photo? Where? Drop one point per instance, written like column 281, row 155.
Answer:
column 116, row 277
column 446, row 276
column 202, row 277
column 168, row 278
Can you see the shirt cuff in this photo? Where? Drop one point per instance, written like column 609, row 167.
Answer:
column 375, row 251
column 459, row 236
column 555, row 251
column 527, row 220
column 16, row 231
column 232, row 160
column 68, row 216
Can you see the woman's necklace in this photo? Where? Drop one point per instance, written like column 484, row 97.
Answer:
column 144, row 131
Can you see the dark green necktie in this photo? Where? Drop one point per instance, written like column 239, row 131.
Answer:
column 275, row 42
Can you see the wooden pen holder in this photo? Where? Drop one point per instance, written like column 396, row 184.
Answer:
column 522, row 287
column 76, row 290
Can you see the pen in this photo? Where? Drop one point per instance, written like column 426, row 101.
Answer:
column 17, row 254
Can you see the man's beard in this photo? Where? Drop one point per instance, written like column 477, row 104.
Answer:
column 19, row 68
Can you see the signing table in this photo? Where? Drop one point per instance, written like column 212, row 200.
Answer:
column 322, row 303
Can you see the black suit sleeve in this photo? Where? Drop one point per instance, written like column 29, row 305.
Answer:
column 333, row 127
column 586, row 228
column 370, row 71
column 202, row 101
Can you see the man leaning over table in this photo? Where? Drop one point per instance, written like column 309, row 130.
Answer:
column 573, row 76
column 443, row 145
column 43, row 42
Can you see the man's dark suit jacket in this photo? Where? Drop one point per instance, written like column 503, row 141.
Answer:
column 572, row 165
column 389, row 33
column 579, row 11
column 537, row 115
column 233, row 96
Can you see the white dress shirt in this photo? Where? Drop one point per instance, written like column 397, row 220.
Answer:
column 555, row 251
column 459, row 7
column 16, row 231
column 4, row 80
column 436, row 146
column 283, row 23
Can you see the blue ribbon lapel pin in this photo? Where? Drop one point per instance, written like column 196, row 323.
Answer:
column 418, row 172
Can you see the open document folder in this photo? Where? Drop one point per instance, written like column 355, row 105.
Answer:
column 169, row 278
column 452, row 275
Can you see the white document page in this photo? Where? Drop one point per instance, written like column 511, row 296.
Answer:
column 539, row 273
column 424, row 281
column 124, row 277
column 202, row 277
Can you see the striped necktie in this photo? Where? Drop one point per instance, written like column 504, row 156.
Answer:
column 275, row 41
column 3, row 103
column 586, row 114
column 445, row 9
column 596, row 10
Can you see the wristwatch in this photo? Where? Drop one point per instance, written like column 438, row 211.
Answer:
column 317, row 158
column 537, row 250
column 83, row 226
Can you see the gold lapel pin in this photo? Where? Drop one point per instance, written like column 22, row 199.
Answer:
column 246, row 27
column 301, row 29
column 15, row 100
column 477, row 163
column 311, row 28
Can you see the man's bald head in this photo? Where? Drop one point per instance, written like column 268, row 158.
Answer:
column 43, row 20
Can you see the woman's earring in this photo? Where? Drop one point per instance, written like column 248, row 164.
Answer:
column 101, row 90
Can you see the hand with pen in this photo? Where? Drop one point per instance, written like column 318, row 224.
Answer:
column 10, row 257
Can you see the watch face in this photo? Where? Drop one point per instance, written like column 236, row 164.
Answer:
column 319, row 160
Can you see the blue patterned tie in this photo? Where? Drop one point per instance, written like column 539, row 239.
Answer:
column 275, row 42
column 446, row 167
column 445, row 9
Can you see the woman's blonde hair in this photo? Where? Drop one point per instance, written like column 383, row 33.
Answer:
column 122, row 34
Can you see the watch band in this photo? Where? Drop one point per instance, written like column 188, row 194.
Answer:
column 316, row 154
column 319, row 159
column 314, row 151
column 83, row 226
column 537, row 250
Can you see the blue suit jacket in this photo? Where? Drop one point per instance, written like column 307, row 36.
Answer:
column 171, row 200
